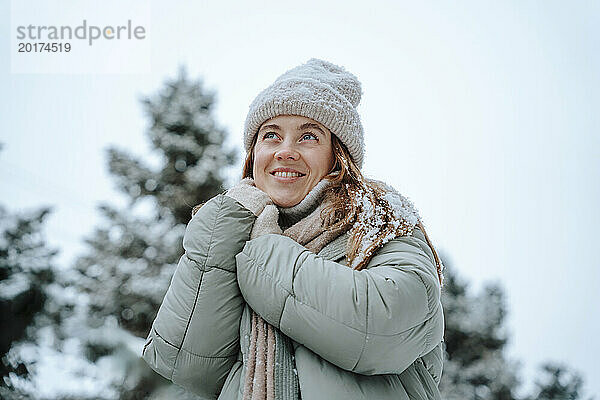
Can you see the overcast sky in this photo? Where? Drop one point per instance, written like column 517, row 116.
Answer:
column 484, row 114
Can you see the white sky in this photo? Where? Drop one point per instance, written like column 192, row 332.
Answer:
column 484, row 114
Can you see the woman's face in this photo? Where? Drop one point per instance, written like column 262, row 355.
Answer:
column 291, row 155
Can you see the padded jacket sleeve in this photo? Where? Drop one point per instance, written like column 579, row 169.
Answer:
column 375, row 321
column 194, row 340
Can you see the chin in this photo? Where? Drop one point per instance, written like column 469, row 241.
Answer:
column 285, row 203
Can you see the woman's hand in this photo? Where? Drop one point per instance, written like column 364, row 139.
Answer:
column 248, row 195
column 267, row 222
column 261, row 205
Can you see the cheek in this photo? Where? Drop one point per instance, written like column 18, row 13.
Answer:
column 260, row 163
column 322, row 162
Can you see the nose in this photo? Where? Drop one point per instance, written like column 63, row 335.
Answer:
column 287, row 152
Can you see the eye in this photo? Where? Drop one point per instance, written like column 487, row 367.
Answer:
column 308, row 136
column 269, row 135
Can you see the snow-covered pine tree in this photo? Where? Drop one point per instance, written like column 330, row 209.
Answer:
column 132, row 257
column 558, row 383
column 476, row 366
column 27, row 271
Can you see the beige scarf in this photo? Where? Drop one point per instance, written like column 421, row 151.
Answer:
column 312, row 233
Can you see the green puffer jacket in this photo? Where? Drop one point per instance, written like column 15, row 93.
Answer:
column 370, row 334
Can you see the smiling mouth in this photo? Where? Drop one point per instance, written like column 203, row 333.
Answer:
column 286, row 174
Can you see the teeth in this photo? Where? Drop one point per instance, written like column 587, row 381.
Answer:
column 286, row 174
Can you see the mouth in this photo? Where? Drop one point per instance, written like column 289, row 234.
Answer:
column 280, row 174
column 286, row 175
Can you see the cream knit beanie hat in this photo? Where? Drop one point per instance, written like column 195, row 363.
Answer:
column 319, row 90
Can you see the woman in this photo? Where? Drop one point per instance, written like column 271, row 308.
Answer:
column 305, row 280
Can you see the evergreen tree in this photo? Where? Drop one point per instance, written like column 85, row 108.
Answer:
column 558, row 383
column 475, row 336
column 132, row 257
column 26, row 274
column 109, row 299
column 35, row 300
column 475, row 365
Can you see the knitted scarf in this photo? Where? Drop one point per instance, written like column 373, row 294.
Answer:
column 303, row 223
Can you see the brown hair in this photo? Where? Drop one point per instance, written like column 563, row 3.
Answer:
column 341, row 210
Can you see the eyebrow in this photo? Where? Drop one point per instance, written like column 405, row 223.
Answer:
column 300, row 128
column 311, row 125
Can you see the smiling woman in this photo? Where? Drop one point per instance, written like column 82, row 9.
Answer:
column 304, row 280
